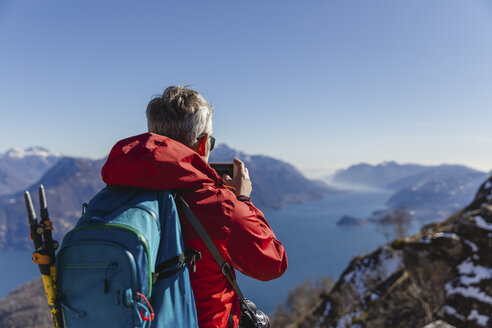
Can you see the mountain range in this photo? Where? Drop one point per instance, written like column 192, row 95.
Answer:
column 382, row 175
column 19, row 168
column 275, row 182
column 439, row 277
column 429, row 192
column 70, row 182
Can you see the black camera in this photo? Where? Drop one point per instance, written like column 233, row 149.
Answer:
column 223, row 168
column 251, row 317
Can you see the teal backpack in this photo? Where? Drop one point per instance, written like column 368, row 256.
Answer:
column 124, row 264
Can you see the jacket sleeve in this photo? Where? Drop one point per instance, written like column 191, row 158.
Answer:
column 253, row 246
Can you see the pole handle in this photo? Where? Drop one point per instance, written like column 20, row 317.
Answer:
column 29, row 207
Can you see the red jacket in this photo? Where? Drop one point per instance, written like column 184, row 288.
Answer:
column 239, row 229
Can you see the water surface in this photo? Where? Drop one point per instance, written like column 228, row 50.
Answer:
column 315, row 245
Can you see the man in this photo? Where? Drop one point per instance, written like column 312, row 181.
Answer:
column 173, row 156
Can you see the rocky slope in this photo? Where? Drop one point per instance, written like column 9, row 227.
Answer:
column 26, row 307
column 440, row 277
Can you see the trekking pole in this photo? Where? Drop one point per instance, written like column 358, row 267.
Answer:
column 50, row 246
column 44, row 254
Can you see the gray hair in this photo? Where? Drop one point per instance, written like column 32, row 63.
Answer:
column 181, row 114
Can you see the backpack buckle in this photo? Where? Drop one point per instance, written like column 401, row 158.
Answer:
column 148, row 308
column 226, row 270
column 195, row 256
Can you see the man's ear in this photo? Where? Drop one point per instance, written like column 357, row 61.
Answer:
column 201, row 147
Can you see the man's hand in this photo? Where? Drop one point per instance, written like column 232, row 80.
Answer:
column 241, row 181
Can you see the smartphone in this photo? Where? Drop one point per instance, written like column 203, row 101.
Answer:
column 223, row 168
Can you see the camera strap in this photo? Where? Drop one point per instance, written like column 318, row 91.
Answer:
column 224, row 266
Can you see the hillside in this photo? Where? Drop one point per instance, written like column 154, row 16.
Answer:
column 275, row 182
column 442, row 273
column 69, row 184
column 26, row 307
column 73, row 181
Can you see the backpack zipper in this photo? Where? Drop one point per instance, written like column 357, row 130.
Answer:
column 130, row 229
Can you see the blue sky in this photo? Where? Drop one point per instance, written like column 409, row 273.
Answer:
column 320, row 84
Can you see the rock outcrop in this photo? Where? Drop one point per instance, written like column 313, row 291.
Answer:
column 348, row 220
column 439, row 277
column 26, row 307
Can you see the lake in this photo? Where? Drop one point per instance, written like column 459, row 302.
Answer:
column 315, row 245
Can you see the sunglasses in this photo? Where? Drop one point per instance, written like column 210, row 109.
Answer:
column 212, row 141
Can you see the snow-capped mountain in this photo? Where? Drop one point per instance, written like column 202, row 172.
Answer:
column 20, row 167
column 36, row 151
column 72, row 181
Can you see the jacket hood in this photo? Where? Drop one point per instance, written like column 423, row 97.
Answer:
column 155, row 162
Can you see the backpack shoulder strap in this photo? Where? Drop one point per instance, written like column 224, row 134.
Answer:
column 200, row 230
column 163, row 271
column 172, row 265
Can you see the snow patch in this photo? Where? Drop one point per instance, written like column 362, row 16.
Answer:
column 346, row 320
column 327, row 309
column 472, row 274
column 368, row 271
column 428, row 239
column 488, row 185
column 324, row 315
column 473, row 246
column 452, row 311
column 481, row 319
column 390, row 263
column 374, row 297
column 439, row 324
column 19, row 153
column 472, row 292
column 481, row 223
column 449, row 235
